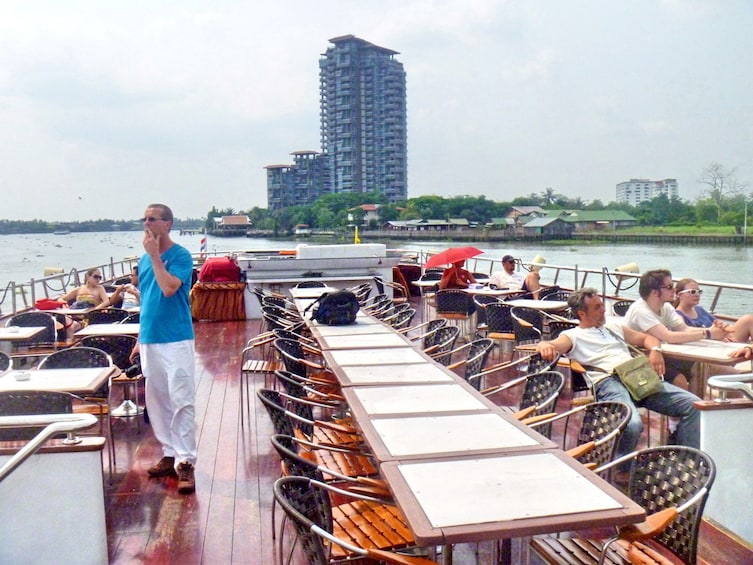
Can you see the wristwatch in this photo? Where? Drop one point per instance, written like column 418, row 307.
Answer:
column 656, row 348
column 707, row 333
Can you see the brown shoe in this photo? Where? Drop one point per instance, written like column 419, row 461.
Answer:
column 163, row 467
column 186, row 481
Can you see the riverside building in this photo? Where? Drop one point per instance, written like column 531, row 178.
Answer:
column 363, row 128
column 635, row 191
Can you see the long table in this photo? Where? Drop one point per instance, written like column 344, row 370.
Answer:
column 77, row 381
column 460, row 468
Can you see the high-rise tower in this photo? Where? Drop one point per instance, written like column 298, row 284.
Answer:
column 363, row 118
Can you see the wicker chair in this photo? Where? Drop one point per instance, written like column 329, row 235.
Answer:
column 5, row 362
column 316, row 391
column 481, row 301
column 424, row 331
column 620, row 307
column 401, row 319
column 555, row 294
column 106, row 316
column 499, row 325
column 46, row 339
column 119, row 347
column 556, row 327
column 601, row 425
column 528, row 324
column 77, row 357
column 457, row 307
column 27, row 402
column 476, row 356
column 310, row 284
column 442, row 343
column 294, row 356
column 133, row 318
column 672, row 484
column 329, row 534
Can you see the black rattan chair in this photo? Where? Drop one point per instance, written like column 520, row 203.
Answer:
column 671, row 483
column 456, row 306
column 476, row 356
column 76, row 357
column 499, row 325
column 46, row 339
column 528, row 324
column 106, row 316
column 620, row 307
column 442, row 343
column 28, row 402
column 119, row 347
column 481, row 301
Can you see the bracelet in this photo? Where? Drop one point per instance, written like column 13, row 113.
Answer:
column 656, row 348
column 707, row 333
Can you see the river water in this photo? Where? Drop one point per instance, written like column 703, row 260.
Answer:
column 23, row 257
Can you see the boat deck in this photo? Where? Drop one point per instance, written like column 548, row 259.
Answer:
column 229, row 518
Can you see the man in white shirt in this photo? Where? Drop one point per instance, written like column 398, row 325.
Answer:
column 598, row 346
column 655, row 315
column 508, row 277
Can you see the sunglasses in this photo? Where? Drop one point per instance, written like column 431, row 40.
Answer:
column 691, row 291
column 152, row 220
column 98, row 277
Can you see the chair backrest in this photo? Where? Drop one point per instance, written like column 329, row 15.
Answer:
column 291, row 383
column 499, row 318
column 432, row 275
column 599, row 420
column 454, row 301
column 667, row 476
column 542, row 390
column 444, row 340
column 119, row 347
column 76, row 357
column 554, row 293
column 481, row 301
column 478, row 352
column 292, row 355
column 556, row 327
column 5, row 362
column 306, row 506
column 402, row 319
column 134, row 318
column 106, row 316
column 310, row 284
column 528, row 324
column 620, row 307
column 28, row 402
column 29, row 319
column 275, row 406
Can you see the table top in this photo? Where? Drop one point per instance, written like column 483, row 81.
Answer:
column 502, row 496
column 109, row 329
column 545, row 305
column 310, row 292
column 431, row 436
column 415, row 373
column 485, row 290
column 77, row 380
column 372, row 356
column 704, row 351
column 17, row 333
column 369, row 401
column 70, row 311
column 362, row 326
column 360, row 341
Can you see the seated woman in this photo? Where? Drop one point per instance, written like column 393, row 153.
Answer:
column 455, row 276
column 687, row 305
column 91, row 294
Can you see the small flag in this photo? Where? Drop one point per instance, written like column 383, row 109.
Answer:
column 356, row 239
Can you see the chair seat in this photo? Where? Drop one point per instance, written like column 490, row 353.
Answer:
column 348, row 464
column 261, row 366
column 369, row 525
column 496, row 335
column 577, row 551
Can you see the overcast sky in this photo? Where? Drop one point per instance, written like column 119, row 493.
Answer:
column 106, row 106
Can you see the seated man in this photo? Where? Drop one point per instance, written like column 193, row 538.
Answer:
column 595, row 345
column 508, row 277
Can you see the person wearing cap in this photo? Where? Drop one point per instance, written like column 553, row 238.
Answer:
column 508, row 277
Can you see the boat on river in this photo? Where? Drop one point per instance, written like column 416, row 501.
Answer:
column 229, row 518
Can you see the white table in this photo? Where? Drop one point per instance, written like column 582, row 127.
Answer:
column 437, row 435
column 417, row 373
column 10, row 334
column 109, row 329
column 543, row 305
column 460, row 499
column 78, row 380
column 310, row 292
column 413, row 399
column 360, row 341
column 705, row 352
column 372, row 356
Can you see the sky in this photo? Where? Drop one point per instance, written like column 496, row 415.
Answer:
column 106, row 106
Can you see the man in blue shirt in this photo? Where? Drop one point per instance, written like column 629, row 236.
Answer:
column 166, row 346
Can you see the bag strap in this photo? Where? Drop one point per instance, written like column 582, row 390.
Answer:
column 317, row 301
column 630, row 346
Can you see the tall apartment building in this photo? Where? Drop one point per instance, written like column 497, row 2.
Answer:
column 363, row 129
column 636, row 191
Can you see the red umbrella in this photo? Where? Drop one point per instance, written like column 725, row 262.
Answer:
column 452, row 255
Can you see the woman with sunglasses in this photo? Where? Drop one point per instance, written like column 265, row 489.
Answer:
column 688, row 296
column 92, row 294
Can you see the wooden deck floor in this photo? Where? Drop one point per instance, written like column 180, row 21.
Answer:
column 228, row 520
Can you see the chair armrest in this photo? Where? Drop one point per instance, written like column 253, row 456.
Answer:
column 581, row 450
column 538, row 418
column 650, row 527
column 525, row 413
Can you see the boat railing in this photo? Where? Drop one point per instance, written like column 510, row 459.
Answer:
column 54, row 424
column 723, row 384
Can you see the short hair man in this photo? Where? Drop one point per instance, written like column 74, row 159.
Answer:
column 655, row 315
column 596, row 344
column 508, row 277
column 166, row 345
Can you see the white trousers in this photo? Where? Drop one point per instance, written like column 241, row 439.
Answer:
column 170, row 395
